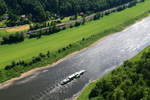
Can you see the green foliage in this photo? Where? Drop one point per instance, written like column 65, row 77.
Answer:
column 13, row 38
column 3, row 7
column 40, row 10
column 14, row 20
column 129, row 82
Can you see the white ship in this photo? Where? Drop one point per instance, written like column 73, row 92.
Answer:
column 72, row 77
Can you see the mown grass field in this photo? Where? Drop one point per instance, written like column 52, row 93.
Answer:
column 32, row 47
column 85, row 93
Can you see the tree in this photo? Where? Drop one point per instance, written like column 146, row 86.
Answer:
column 3, row 7
column 118, row 94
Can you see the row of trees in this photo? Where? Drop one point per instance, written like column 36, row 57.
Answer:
column 129, row 82
column 41, row 10
column 50, row 30
column 39, row 26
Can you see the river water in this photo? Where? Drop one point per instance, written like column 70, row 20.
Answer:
column 97, row 60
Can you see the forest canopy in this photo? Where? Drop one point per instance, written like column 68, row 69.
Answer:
column 40, row 10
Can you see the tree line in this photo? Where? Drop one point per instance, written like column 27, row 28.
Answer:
column 42, row 10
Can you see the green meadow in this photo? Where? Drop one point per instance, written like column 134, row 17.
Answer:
column 32, row 47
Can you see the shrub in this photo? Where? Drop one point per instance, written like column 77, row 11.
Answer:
column 13, row 38
column 48, row 54
column 77, row 23
column 42, row 55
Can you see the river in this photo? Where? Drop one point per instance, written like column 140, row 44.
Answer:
column 97, row 60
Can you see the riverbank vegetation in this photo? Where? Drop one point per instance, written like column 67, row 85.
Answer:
column 128, row 82
column 21, row 57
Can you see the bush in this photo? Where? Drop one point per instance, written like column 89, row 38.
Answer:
column 13, row 38
column 12, row 65
column 42, row 55
column 97, row 16
column 77, row 23
column 73, row 17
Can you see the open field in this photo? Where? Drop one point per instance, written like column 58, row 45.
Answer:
column 17, row 28
column 85, row 93
column 12, row 30
column 32, row 47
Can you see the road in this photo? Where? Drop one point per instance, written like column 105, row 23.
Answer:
column 97, row 60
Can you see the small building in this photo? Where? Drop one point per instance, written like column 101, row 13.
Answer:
column 23, row 16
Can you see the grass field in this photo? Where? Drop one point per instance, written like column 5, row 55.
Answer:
column 32, row 47
column 12, row 30
column 85, row 93
column 17, row 28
